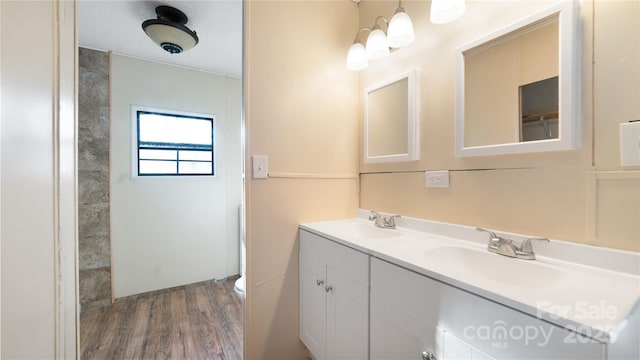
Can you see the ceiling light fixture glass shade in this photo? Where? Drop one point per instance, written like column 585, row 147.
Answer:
column 400, row 31
column 445, row 11
column 377, row 46
column 169, row 30
column 357, row 57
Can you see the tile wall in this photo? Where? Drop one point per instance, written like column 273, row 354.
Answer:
column 93, row 179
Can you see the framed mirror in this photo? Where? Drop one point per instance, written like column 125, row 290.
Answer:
column 518, row 89
column 390, row 120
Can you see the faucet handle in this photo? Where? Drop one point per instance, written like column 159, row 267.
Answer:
column 506, row 248
column 493, row 237
column 374, row 215
column 391, row 221
column 526, row 247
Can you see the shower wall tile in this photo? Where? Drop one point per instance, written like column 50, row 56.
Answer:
column 93, row 187
column 94, row 243
column 93, row 89
column 95, row 287
column 94, row 123
column 94, row 60
column 93, row 220
column 96, row 252
column 93, row 154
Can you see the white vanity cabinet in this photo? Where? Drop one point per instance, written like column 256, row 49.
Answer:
column 334, row 299
column 397, row 333
column 412, row 313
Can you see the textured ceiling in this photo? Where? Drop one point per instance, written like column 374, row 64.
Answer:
column 116, row 25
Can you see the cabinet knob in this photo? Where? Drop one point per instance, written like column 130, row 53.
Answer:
column 428, row 355
column 328, row 288
column 319, row 282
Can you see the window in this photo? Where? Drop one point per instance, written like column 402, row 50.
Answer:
column 174, row 144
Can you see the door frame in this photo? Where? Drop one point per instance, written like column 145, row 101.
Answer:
column 65, row 117
column 67, row 310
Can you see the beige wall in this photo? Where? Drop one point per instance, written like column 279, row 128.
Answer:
column 301, row 111
column 614, row 196
column 582, row 195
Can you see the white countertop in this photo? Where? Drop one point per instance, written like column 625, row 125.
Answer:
column 586, row 289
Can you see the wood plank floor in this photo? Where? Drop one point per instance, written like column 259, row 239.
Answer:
column 199, row 321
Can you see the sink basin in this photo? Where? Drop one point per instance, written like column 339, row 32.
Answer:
column 496, row 268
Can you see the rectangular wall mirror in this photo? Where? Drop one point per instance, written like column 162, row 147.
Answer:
column 390, row 120
column 517, row 89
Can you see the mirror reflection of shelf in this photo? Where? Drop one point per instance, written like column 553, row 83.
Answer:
column 537, row 116
column 530, row 122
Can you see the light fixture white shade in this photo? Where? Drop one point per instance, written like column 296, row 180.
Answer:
column 171, row 38
column 377, row 46
column 169, row 30
column 400, row 32
column 357, row 57
column 445, row 11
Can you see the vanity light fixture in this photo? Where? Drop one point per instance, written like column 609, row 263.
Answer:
column 377, row 44
column 445, row 11
column 169, row 30
column 400, row 31
column 357, row 56
column 399, row 34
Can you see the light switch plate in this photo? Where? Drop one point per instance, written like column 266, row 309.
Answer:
column 439, row 178
column 630, row 143
column 260, row 166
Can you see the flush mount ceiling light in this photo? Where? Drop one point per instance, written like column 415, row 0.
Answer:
column 399, row 34
column 169, row 30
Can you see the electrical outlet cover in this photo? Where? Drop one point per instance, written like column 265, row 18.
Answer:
column 439, row 178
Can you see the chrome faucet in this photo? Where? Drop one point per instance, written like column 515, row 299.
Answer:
column 506, row 247
column 383, row 222
column 500, row 245
column 526, row 250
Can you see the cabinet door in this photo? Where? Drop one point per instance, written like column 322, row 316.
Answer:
column 456, row 349
column 397, row 333
column 347, row 317
column 313, row 327
column 496, row 330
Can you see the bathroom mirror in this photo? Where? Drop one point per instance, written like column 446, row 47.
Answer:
column 390, row 126
column 517, row 89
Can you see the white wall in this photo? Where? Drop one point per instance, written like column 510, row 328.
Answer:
column 37, row 179
column 169, row 231
column 27, row 191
